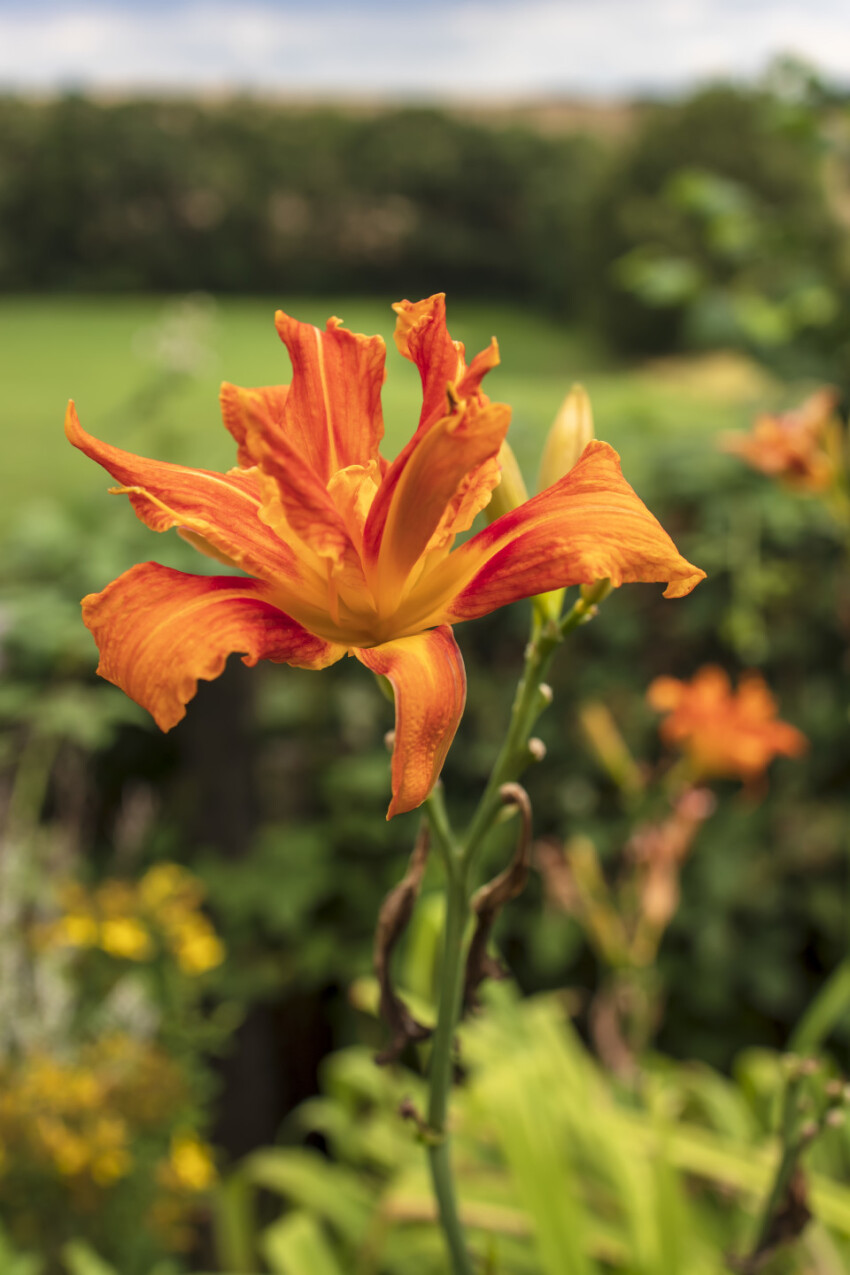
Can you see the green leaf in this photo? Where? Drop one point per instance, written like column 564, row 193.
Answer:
column 234, row 1223
column 81, row 1259
column 297, row 1246
column 312, row 1182
column 13, row 1262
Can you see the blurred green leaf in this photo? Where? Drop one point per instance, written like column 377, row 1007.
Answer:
column 296, row 1246
column 81, row 1259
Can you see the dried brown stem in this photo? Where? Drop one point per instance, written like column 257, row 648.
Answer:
column 488, row 902
column 393, row 918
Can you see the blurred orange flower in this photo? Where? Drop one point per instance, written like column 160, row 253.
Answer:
column 724, row 732
column 346, row 553
column 801, row 447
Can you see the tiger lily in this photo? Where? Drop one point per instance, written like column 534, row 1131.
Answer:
column 728, row 733
column 802, row 447
column 346, row 553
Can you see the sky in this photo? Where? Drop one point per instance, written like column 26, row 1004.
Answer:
column 431, row 49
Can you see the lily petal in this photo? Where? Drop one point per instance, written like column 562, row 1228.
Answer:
column 332, row 414
column 158, row 631
column 434, row 476
column 588, row 526
column 422, row 336
column 222, row 510
column 246, row 412
column 429, row 681
column 296, row 501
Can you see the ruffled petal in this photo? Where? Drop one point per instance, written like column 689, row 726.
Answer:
column 332, row 414
column 294, row 499
column 588, row 526
column 158, row 631
column 245, row 411
column 426, row 491
column 422, row 336
column 429, row 681
column 221, row 510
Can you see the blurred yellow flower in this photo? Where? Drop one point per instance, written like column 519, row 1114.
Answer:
column 125, row 936
column 198, row 949
column 135, row 921
column 65, row 1147
column 167, row 881
column 190, row 1165
column 77, row 929
column 110, row 1158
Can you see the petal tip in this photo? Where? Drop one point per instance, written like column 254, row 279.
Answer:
column 681, row 588
column 73, row 429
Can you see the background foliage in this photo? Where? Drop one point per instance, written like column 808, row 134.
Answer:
column 715, row 219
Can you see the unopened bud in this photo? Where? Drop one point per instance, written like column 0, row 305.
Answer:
column 389, row 741
column 571, row 431
column 835, row 1119
column 545, row 692
column 511, row 491
column 537, row 748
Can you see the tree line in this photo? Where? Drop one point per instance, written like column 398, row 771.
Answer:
column 245, row 195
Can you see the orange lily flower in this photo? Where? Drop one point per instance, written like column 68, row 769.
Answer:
column 724, row 732
column 344, row 552
column 801, row 447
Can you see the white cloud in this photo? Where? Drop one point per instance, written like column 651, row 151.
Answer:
column 470, row 47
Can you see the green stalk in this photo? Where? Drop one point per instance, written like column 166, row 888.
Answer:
column 791, row 1147
column 457, row 912
column 514, row 756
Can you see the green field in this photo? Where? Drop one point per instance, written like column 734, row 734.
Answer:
column 100, row 351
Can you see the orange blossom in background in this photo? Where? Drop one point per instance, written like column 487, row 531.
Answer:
column 343, row 552
column 724, row 732
column 801, row 447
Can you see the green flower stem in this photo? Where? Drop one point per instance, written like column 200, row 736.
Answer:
column 457, row 913
column 441, row 830
column 514, row 755
column 530, row 701
column 792, row 1145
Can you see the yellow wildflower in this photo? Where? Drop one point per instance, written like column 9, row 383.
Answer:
column 196, row 945
column 110, row 1158
column 190, row 1165
column 167, row 881
column 127, row 938
column 77, row 929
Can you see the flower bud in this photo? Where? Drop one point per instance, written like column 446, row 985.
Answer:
column 511, row 491
column 571, row 431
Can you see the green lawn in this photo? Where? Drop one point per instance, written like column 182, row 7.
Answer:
column 97, row 350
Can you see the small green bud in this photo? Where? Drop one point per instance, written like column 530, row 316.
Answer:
column 511, row 491
column 571, row 431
